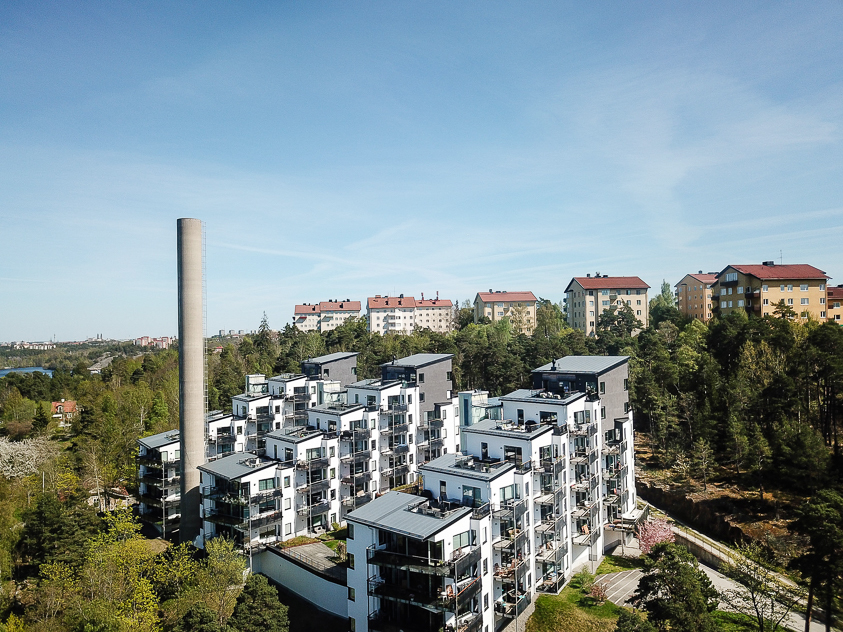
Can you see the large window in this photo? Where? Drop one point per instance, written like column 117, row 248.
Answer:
column 267, row 483
column 465, row 538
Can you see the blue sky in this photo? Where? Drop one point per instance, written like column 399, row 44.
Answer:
column 342, row 150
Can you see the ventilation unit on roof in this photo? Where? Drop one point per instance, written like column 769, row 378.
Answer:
column 769, row 263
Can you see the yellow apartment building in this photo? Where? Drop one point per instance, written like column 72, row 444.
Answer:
column 833, row 302
column 520, row 307
column 693, row 295
column 756, row 289
column 589, row 296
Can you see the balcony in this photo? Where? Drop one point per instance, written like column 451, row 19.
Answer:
column 413, row 597
column 550, row 554
column 397, row 450
column 357, row 434
column 553, row 466
column 315, row 509
column 394, row 429
column 584, row 430
column 552, row 583
column 437, row 443
column 431, row 423
column 224, row 439
column 397, row 408
column 358, row 500
column 357, row 457
column 512, row 509
column 356, row 478
column 586, row 539
column 313, row 464
column 314, row 486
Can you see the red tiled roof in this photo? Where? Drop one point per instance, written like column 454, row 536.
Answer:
column 834, row 292
column 434, row 302
column 704, row 278
column 68, row 404
column 507, row 297
column 607, row 282
column 386, row 302
column 340, row 306
column 306, row 309
column 786, row 271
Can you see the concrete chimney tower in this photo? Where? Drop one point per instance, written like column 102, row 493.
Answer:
column 191, row 373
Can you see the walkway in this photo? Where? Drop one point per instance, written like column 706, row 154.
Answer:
column 621, row 586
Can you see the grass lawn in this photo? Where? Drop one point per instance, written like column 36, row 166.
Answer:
column 571, row 611
column 616, row 564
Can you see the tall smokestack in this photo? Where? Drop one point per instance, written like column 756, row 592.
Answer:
column 191, row 373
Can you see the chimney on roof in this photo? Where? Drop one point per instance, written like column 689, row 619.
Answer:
column 700, row 272
column 437, row 295
column 490, row 290
column 400, row 296
column 769, row 263
column 588, row 276
column 597, row 274
column 422, row 295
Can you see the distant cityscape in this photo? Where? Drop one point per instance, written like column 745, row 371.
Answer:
column 753, row 288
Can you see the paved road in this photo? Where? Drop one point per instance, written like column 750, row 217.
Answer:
column 620, row 586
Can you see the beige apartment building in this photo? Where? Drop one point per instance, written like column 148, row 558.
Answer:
column 693, row 295
column 757, row 289
column 325, row 316
column 519, row 307
column 834, row 300
column 589, row 296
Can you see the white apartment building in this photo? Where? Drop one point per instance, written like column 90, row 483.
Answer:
column 403, row 314
column 589, row 296
column 544, row 490
column 159, row 481
column 325, row 315
column 332, row 448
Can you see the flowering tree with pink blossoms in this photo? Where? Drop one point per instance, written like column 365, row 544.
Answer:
column 652, row 532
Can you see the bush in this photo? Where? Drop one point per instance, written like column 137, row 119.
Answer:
column 598, row 593
column 584, row 580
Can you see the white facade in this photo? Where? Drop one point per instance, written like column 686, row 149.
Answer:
column 400, row 314
column 159, row 481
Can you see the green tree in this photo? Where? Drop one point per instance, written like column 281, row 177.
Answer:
column 200, row 618
column 676, row 594
column 762, row 593
column 40, row 420
column 258, row 608
column 633, row 622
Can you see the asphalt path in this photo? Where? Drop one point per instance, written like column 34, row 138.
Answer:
column 621, row 586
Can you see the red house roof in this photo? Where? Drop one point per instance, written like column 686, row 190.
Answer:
column 390, row 302
column 835, row 292
column 704, row 278
column 306, row 309
column 434, row 302
column 607, row 282
column 507, row 297
column 340, row 306
column 69, row 406
column 786, row 271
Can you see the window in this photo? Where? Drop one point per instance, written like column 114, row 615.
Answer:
column 790, row 288
column 822, row 301
column 626, row 407
column 352, row 624
column 638, row 313
column 333, row 474
column 606, row 303
column 286, row 481
column 486, row 601
column 602, row 388
column 350, row 593
column 421, row 397
column 602, row 412
column 267, row 483
column 288, row 528
column 766, row 301
column 421, row 378
column 350, row 534
column 740, row 303
column 781, row 288
column 803, row 301
column 730, row 303
column 485, row 566
column 731, row 276
column 764, row 288
column 638, row 302
column 790, row 301
column 626, row 384
column 604, row 292
column 822, row 314
column 740, row 289
column 351, row 561
column 288, row 503
column 804, row 287
column 822, row 286
column 729, row 290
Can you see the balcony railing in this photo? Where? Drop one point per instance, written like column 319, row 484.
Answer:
column 431, row 423
column 397, row 449
column 553, row 466
column 313, row 464
column 394, row 428
column 315, row 486
column 358, row 500
column 356, row 457
column 357, row 434
column 356, row 478
column 312, row 510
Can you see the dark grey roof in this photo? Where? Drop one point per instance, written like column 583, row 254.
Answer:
column 391, row 512
column 502, row 428
column 153, row 442
column 294, row 435
column 584, row 364
column 335, row 409
column 332, row 357
column 374, row 385
column 525, row 394
column 420, row 359
column 237, row 465
column 288, row 377
column 447, row 464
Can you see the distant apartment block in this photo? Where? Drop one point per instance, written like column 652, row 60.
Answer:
column 693, row 295
column 834, row 300
column 403, row 314
column 35, row 346
column 757, row 289
column 519, row 307
column 163, row 342
column 326, row 315
column 589, row 296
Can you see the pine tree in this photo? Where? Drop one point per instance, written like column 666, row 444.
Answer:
column 258, row 608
